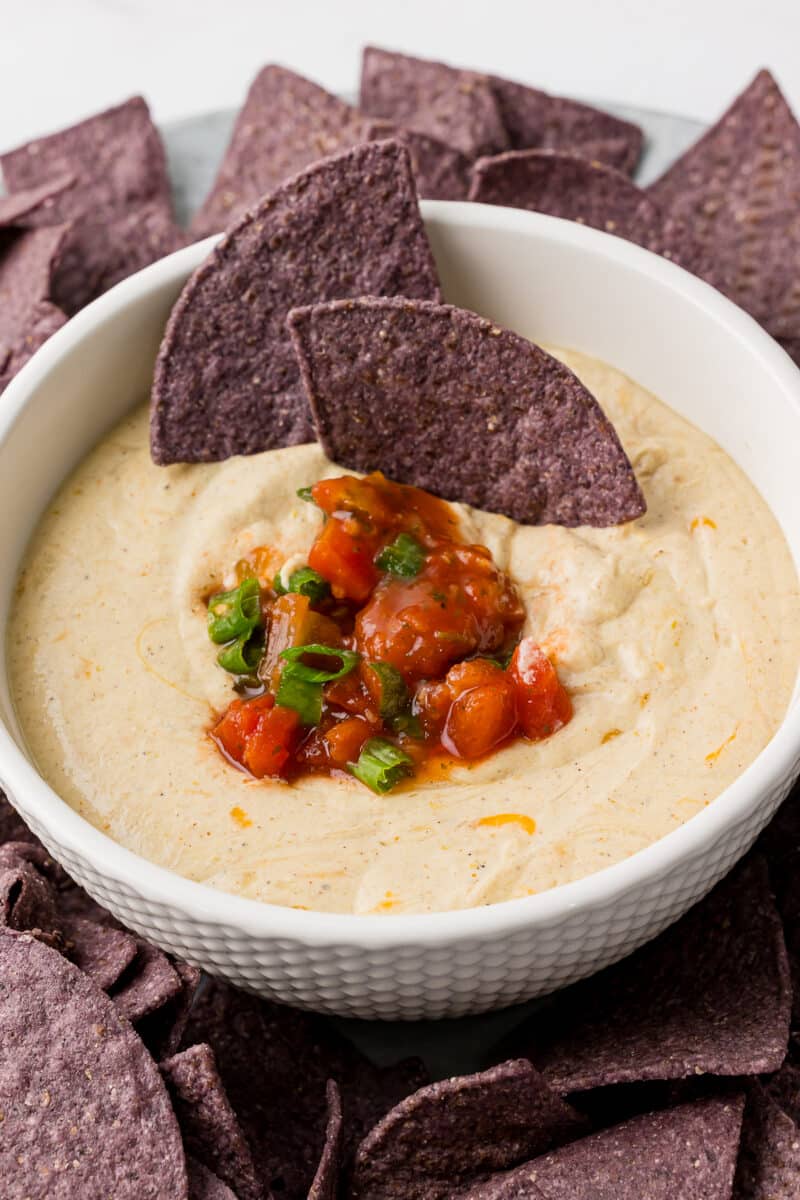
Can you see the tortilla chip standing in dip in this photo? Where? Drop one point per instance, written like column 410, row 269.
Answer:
column 469, row 703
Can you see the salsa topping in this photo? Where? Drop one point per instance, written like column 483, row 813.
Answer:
column 398, row 642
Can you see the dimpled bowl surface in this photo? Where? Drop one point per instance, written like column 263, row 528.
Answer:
column 553, row 281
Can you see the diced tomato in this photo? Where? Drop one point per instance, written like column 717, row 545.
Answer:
column 345, row 739
column 543, row 704
column 432, row 704
column 483, row 712
column 238, row 722
column 258, row 734
column 343, row 554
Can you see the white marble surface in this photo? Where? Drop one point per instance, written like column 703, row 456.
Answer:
column 62, row 59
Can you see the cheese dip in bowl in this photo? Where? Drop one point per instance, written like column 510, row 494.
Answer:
column 479, row 879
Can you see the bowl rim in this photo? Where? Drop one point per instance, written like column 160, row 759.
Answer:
column 254, row 918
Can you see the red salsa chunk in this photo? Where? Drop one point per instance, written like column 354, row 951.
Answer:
column 397, row 642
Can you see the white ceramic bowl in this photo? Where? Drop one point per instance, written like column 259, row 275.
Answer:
column 553, row 281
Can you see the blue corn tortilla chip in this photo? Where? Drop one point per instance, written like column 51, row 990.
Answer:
column 739, row 189
column 325, row 1185
column 34, row 203
column 120, row 186
column 274, row 1063
column 456, row 1133
column 769, row 1157
column 102, row 952
column 453, row 106
column 588, row 192
column 150, row 983
column 286, row 124
column 205, row 1185
column 536, row 120
column 441, row 398
column 711, row 994
column 28, row 264
column 683, row 1153
column 568, row 186
column 210, row 1128
column 440, row 172
column 784, row 1086
column 162, row 1029
column 226, row 380
column 85, row 1111
column 27, row 902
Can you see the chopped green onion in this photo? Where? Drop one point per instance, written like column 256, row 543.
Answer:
column 308, row 582
column 301, row 695
column 381, row 765
column 409, row 724
column 242, row 656
column 404, row 556
column 296, row 669
column 305, row 494
column 236, row 613
column 393, row 690
column 277, row 585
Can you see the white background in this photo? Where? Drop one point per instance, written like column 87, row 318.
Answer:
column 62, row 59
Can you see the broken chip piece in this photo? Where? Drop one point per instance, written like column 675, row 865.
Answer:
column 226, row 379
column 396, row 383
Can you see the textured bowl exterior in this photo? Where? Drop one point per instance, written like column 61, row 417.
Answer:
column 446, row 964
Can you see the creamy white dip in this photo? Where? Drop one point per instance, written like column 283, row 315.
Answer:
column 677, row 635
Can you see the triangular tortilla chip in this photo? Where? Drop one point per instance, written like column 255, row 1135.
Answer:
column 535, row 119
column 119, row 171
column 738, row 188
column 684, row 1153
column 453, row 1134
column 711, row 995
column 456, row 107
column 226, row 379
column 441, row 398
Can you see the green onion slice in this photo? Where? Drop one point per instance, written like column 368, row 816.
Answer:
column 308, row 582
column 393, row 690
column 381, row 765
column 305, row 493
column 277, row 585
column 236, row 613
column 296, row 669
column 242, row 656
column 409, row 724
column 304, row 697
column 404, row 556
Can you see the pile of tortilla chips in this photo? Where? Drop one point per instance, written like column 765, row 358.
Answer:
column 727, row 210
column 674, row 1074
